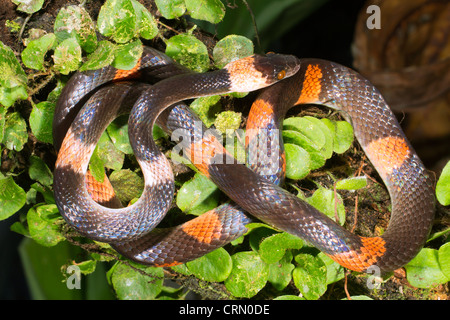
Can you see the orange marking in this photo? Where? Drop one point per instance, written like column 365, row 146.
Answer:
column 388, row 154
column 311, row 85
column 171, row 264
column 259, row 117
column 371, row 250
column 204, row 228
column 202, row 153
column 102, row 192
column 128, row 74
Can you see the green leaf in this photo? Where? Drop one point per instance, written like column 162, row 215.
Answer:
column 424, row 270
column 39, row 171
column 127, row 184
column 15, row 134
column 13, row 80
column 310, row 276
column 209, row 10
column 101, row 57
column 248, row 276
column 41, row 119
column 171, row 9
column 443, row 186
column 273, row 248
column 227, row 121
column 297, row 162
column 207, row 108
column 146, row 26
column 96, row 166
column 75, row 22
column 127, row 55
column 87, row 267
column 324, row 201
column 130, row 284
column 353, row 183
column 109, row 154
column 118, row 133
column 343, row 134
column 444, row 259
column 188, row 51
column 231, row 48
column 29, row 6
column 67, row 56
column 33, row 55
column 12, row 197
column 317, row 159
column 335, row 271
column 213, row 267
column 310, row 136
column 43, row 223
column 198, row 195
column 280, row 273
column 117, row 19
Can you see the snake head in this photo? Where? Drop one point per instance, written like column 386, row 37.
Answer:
column 259, row 71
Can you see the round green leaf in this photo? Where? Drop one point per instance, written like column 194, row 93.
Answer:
column 15, row 134
column 101, row 57
column 130, row 284
column 127, row 55
column 171, row 9
column 188, row 51
column 228, row 120
column 248, row 276
column 29, row 6
column 43, row 223
column 127, row 184
column 118, row 132
column 198, row 195
column 343, row 134
column 109, row 154
column 324, row 201
column 39, row 171
column 335, row 271
column 443, row 186
column 75, row 22
column 297, row 162
column 213, row 267
column 207, row 108
column 146, row 26
column 280, row 273
column 117, row 19
column 273, row 248
column 12, row 197
column 13, row 80
column 33, row 55
column 231, row 48
column 209, row 10
column 444, row 259
column 41, row 119
column 310, row 276
column 317, row 159
column 424, row 270
column 67, row 56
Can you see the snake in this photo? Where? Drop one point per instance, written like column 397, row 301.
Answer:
column 155, row 92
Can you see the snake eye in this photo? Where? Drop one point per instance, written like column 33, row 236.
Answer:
column 281, row 74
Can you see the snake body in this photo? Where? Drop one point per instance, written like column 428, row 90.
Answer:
column 254, row 190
